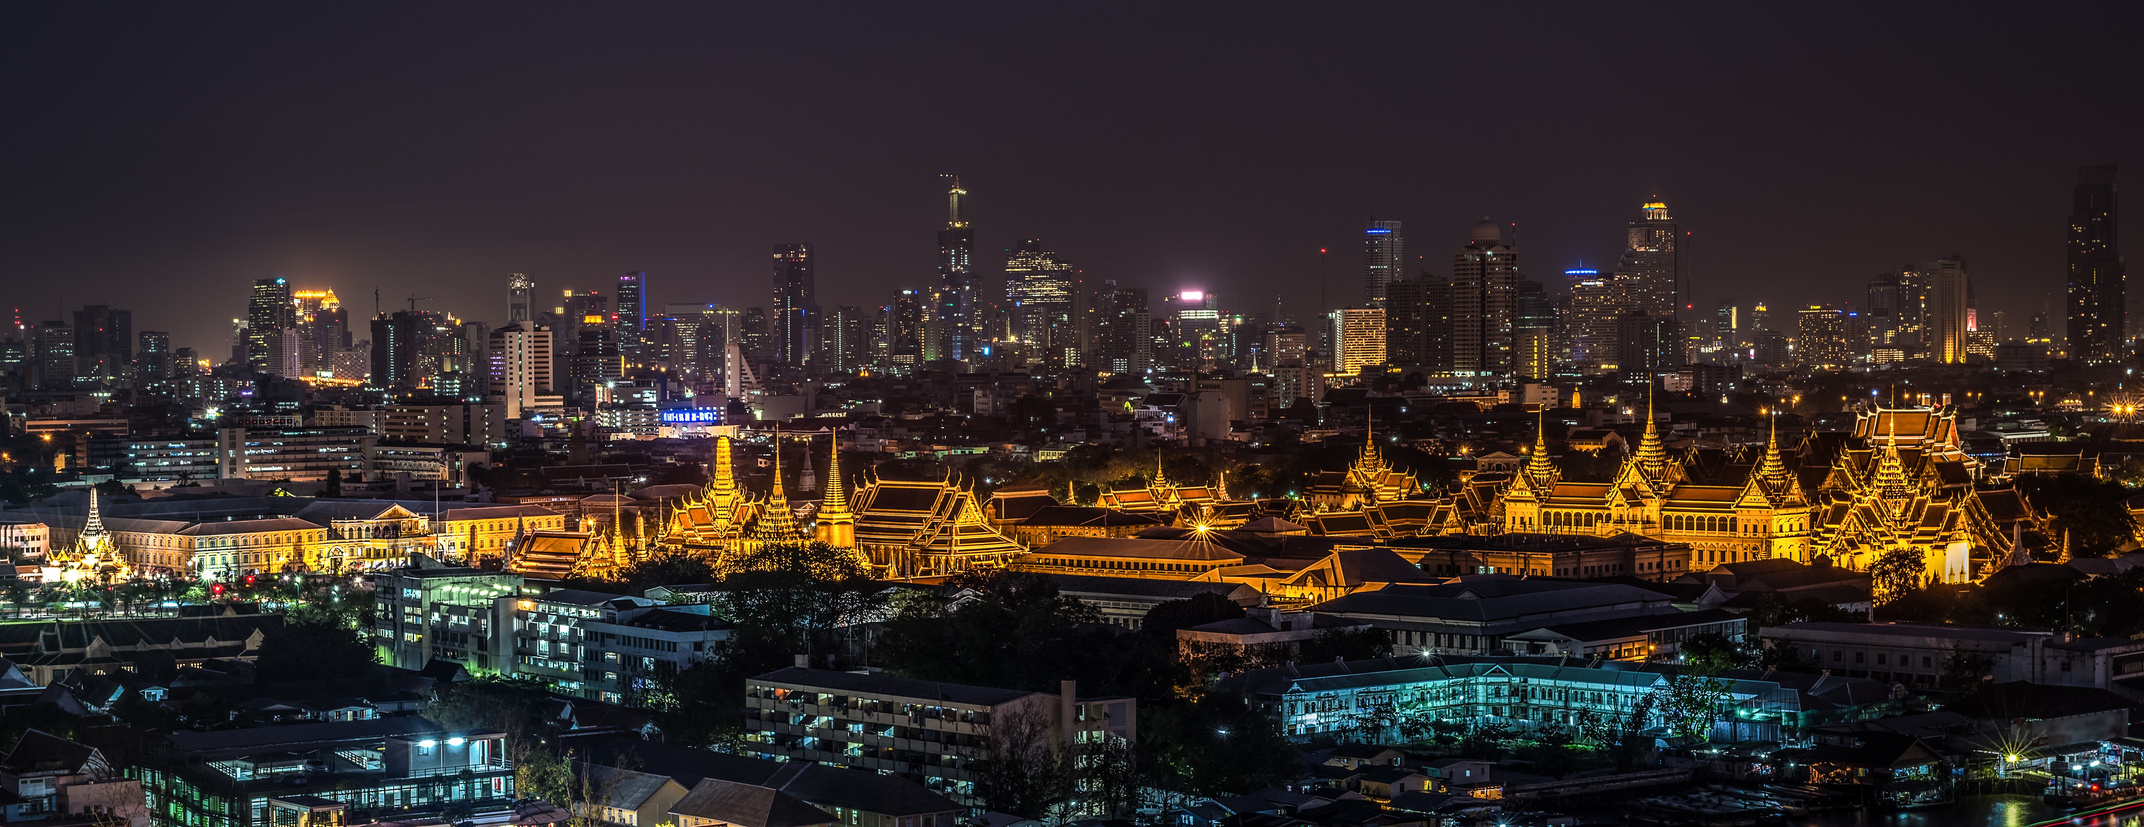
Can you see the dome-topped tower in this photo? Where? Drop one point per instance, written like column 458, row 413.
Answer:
column 1487, row 233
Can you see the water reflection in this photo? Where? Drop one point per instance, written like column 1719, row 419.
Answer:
column 1972, row 811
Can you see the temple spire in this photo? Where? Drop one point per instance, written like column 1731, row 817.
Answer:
column 724, row 486
column 836, row 526
column 94, row 526
column 1540, row 473
column 777, row 523
column 1652, row 454
column 834, row 501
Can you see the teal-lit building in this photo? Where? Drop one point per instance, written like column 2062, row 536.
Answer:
column 378, row 769
column 1522, row 695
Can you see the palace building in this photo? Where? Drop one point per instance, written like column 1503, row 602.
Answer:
column 1900, row 481
column 1905, row 483
column 1766, row 516
column 923, row 528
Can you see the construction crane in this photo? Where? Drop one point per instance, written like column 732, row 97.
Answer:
column 414, row 299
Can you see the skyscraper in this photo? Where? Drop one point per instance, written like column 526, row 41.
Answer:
column 1649, row 257
column 796, row 296
column 270, row 310
column 1358, row 339
column 1534, row 352
column 52, row 365
column 103, row 342
column 521, row 365
column 1384, row 258
column 1821, row 339
column 520, row 290
column 1418, row 323
column 632, row 310
column 323, row 329
column 1040, row 289
column 904, row 330
column 1485, row 285
column 1122, row 329
column 152, row 357
column 954, row 325
column 2098, row 289
column 1947, row 320
column 1596, row 301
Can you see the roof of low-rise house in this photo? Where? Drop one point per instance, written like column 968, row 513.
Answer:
column 747, row 805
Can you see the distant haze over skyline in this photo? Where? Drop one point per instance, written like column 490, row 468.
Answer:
column 163, row 157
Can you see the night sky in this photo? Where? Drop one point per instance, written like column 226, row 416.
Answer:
column 162, row 157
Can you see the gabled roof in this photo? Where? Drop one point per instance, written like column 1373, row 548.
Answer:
column 747, row 805
column 42, row 752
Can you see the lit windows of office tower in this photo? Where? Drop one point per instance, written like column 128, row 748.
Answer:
column 1384, row 258
column 1596, row 301
column 521, row 365
column 1948, row 319
column 1821, row 338
column 1359, row 339
column 955, row 328
column 269, row 311
column 1534, row 353
column 1727, row 325
column 796, row 296
column 152, row 357
column 632, row 310
column 1040, row 289
column 2098, row 289
column 520, row 290
column 1649, row 256
column 1485, row 285
column 1122, row 329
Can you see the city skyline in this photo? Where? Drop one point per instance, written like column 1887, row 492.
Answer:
column 444, row 210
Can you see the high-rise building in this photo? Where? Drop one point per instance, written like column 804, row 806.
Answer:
column 1418, row 323
column 1358, row 339
column 2098, row 288
column 632, row 310
column 52, row 363
column 1188, row 331
column 845, row 339
column 271, row 309
column 796, row 303
column 1293, row 376
column 904, row 330
column 1727, row 326
column 1649, row 256
column 1533, row 335
column 323, row 329
column 1384, row 258
column 520, row 298
column 1485, row 285
column 103, row 342
column 954, row 326
column 1040, row 289
column 1645, row 343
column 1821, row 339
column 521, row 364
column 1947, row 320
column 399, row 341
column 1596, row 302
column 152, row 357
column 1122, row 329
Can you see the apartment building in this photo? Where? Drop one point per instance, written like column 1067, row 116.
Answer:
column 1918, row 654
column 605, row 647
column 938, row 734
column 381, row 767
